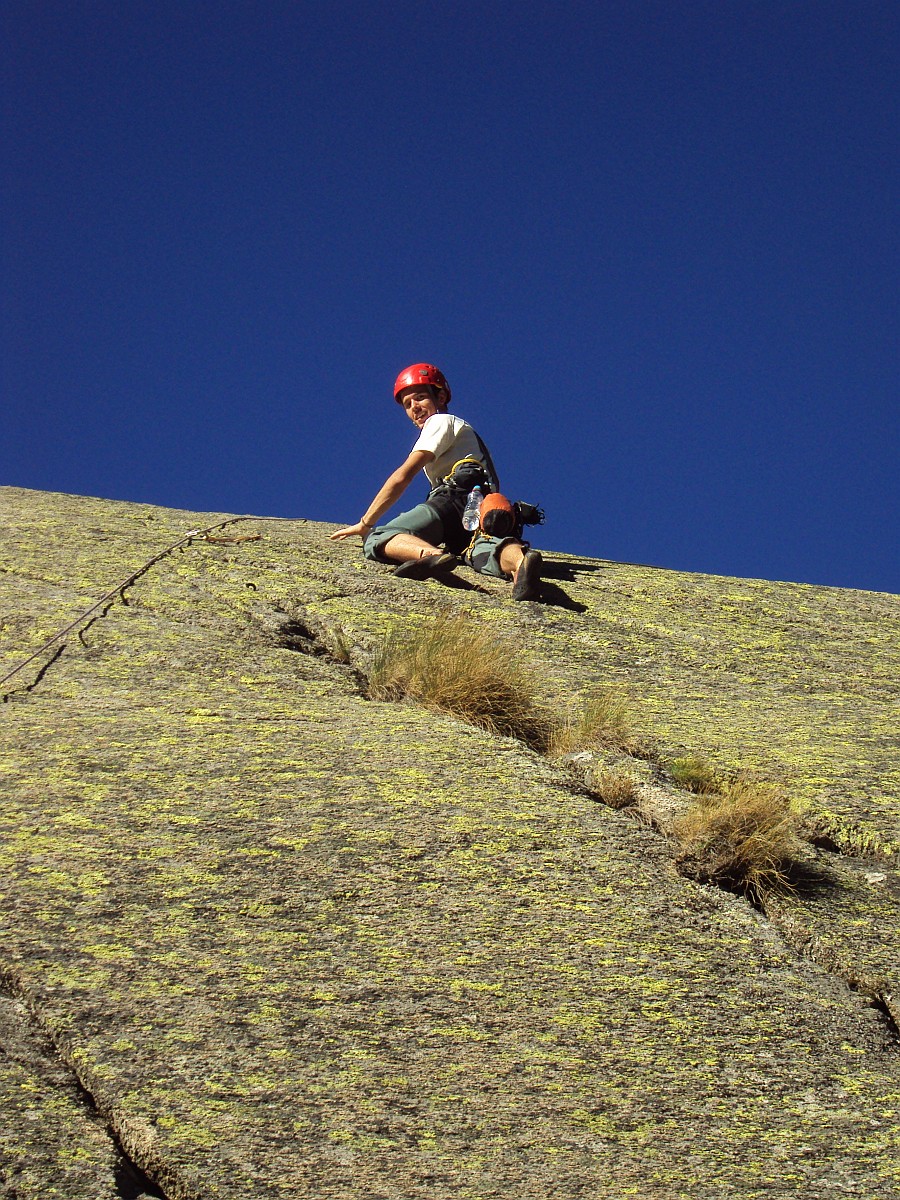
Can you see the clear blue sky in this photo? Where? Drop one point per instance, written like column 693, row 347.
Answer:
column 653, row 246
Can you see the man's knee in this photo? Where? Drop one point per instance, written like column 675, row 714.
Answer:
column 374, row 544
column 484, row 557
column 421, row 522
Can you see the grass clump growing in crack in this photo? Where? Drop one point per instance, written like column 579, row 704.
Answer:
column 615, row 788
column 695, row 774
column 600, row 722
column 742, row 837
column 452, row 664
column 339, row 646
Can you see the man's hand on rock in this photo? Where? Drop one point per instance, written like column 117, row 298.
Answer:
column 360, row 529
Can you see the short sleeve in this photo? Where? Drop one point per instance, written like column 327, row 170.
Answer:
column 438, row 434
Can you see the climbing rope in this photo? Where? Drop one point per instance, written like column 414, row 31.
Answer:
column 135, row 575
column 183, row 541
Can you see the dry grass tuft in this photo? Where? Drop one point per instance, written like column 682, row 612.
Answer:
column 602, row 722
column 695, row 774
column 452, row 664
column 615, row 788
column 743, row 837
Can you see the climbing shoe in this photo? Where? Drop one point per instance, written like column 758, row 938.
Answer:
column 528, row 578
column 428, row 567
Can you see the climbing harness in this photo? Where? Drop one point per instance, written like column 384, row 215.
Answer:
column 462, row 462
column 135, row 575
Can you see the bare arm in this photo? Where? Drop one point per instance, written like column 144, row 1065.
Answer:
column 389, row 493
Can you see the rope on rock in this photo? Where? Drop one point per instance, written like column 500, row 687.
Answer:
column 135, row 575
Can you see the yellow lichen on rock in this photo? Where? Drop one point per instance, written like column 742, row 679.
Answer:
column 295, row 942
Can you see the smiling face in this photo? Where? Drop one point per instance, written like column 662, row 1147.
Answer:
column 420, row 403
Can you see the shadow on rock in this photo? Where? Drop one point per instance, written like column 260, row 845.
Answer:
column 569, row 571
column 555, row 597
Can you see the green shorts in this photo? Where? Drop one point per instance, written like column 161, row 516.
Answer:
column 482, row 553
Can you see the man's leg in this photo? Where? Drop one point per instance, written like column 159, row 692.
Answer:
column 406, row 547
column 525, row 567
column 511, row 556
column 509, row 559
column 411, row 539
column 407, row 535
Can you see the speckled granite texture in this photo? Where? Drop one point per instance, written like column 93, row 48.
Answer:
column 294, row 943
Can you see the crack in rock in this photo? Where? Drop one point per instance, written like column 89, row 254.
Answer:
column 56, row 1129
column 655, row 806
column 23, row 691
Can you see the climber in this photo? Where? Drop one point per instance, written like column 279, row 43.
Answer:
column 428, row 540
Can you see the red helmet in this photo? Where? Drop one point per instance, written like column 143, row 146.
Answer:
column 418, row 374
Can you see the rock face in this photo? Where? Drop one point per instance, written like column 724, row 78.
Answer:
column 263, row 937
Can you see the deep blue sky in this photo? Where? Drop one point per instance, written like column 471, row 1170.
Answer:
column 653, row 246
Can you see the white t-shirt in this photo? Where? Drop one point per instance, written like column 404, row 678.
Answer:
column 449, row 439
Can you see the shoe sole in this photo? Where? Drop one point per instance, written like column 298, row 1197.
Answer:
column 528, row 581
column 428, row 567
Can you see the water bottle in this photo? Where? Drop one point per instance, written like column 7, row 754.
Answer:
column 471, row 513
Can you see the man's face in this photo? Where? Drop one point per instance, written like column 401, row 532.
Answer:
column 419, row 404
